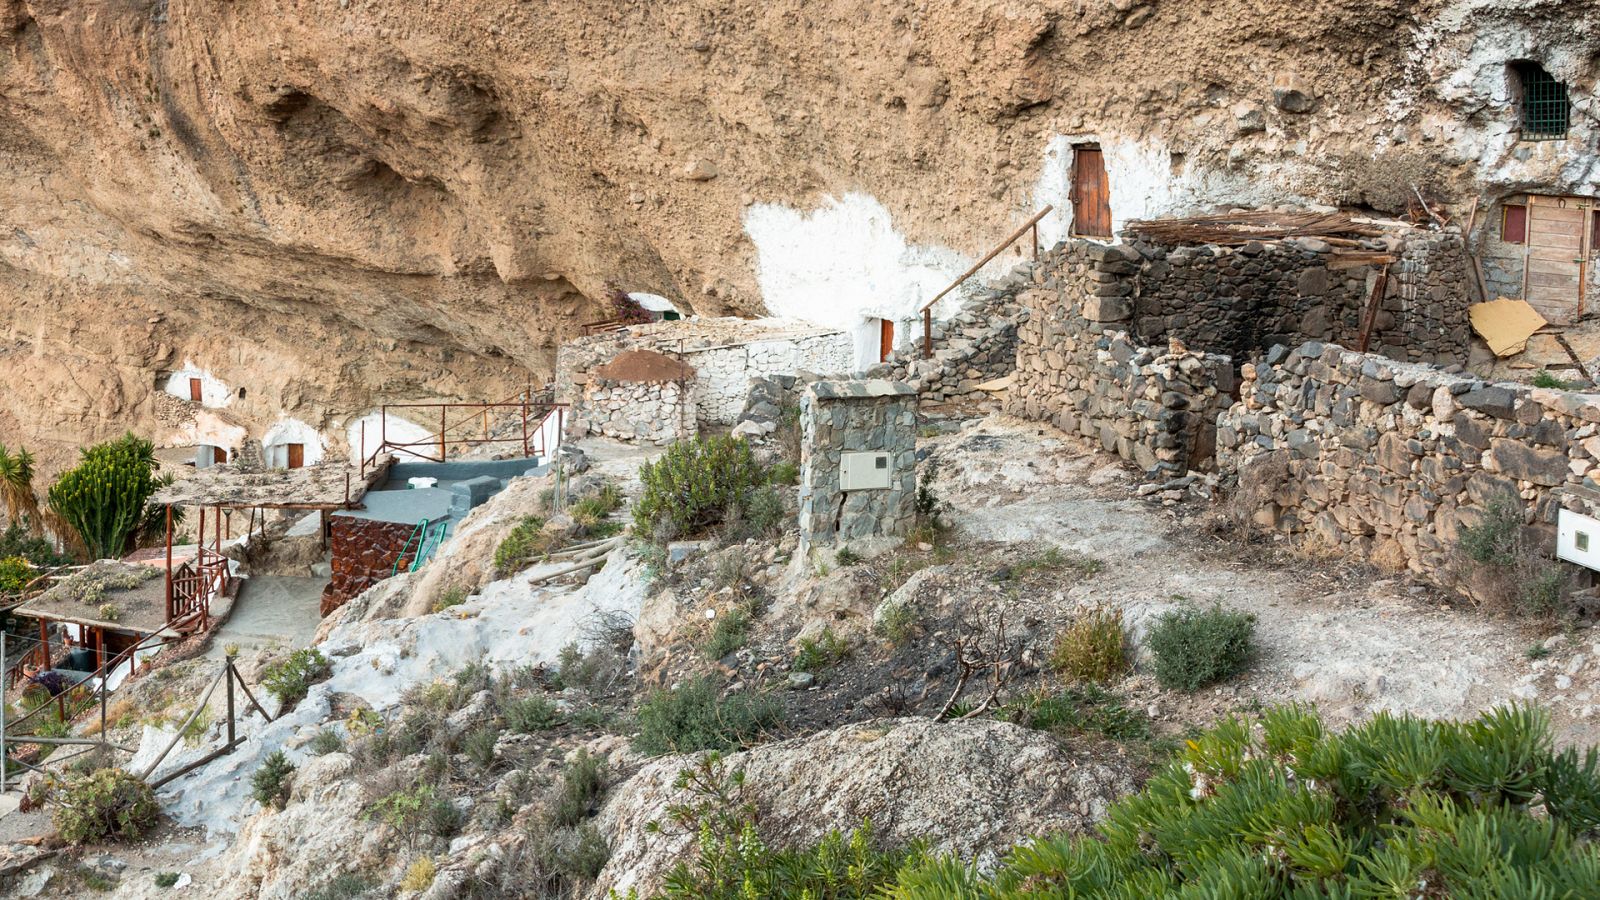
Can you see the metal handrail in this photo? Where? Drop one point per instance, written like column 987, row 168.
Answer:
column 441, row 438
column 927, row 308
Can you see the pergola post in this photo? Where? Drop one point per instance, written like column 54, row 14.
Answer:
column 169, row 563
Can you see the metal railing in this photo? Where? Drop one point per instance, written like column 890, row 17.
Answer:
column 470, row 431
column 927, row 308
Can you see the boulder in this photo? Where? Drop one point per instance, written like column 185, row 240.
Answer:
column 973, row 788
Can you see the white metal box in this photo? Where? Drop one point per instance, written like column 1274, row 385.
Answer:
column 1578, row 538
column 867, row 471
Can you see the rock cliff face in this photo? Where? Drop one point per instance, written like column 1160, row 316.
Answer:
column 335, row 202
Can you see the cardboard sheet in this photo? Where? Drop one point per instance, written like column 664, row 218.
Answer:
column 1505, row 324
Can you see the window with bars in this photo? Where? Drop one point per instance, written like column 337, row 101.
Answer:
column 1545, row 108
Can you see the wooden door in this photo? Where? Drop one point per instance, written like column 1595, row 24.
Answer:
column 194, row 389
column 1091, row 193
column 885, row 338
column 218, row 456
column 1555, row 256
column 297, row 455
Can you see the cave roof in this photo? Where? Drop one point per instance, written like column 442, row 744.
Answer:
column 321, row 486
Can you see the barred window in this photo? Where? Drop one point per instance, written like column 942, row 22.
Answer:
column 1543, row 105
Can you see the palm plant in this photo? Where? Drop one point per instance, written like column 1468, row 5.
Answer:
column 16, row 486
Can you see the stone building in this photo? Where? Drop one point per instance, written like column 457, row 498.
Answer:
column 719, row 358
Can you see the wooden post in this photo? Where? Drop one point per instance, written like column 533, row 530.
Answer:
column 927, row 332
column 169, row 562
column 524, row 426
column 1036, row 240
column 229, row 674
column 44, row 645
column 441, row 432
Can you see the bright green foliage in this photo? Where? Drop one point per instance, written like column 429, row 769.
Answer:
column 821, row 652
column 1196, row 647
column 109, row 804
column 290, row 679
column 1397, row 807
column 271, row 782
column 15, row 573
column 694, row 717
column 103, row 498
column 695, row 483
column 166, row 879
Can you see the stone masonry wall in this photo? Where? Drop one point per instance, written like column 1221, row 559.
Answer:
column 364, row 552
column 837, row 417
column 1385, row 460
column 1078, row 369
column 977, row 344
column 647, row 411
column 1240, row 301
column 724, row 374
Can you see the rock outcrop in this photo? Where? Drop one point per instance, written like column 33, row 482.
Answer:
column 973, row 788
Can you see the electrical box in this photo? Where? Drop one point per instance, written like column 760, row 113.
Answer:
column 868, row 471
column 1578, row 539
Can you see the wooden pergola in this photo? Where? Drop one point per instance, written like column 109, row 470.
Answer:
column 223, row 489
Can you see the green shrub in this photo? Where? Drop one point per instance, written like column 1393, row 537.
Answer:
column 846, row 557
column 478, row 745
column 582, row 783
column 166, row 879
column 271, row 782
column 765, row 511
column 344, row 886
column 1092, row 648
column 1196, row 647
column 730, row 632
column 290, row 679
column 325, row 741
column 897, row 622
column 694, row 717
column 526, row 542
column 694, row 484
column 1280, row 808
column 821, row 652
column 19, row 541
column 1077, row 710
column 452, row 597
column 530, row 714
column 103, row 497
column 1497, row 538
column 15, row 573
column 588, row 512
column 109, row 804
column 419, row 809
column 784, row 473
column 1543, row 379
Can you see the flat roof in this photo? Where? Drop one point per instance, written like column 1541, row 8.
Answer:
column 137, row 593
column 320, row 486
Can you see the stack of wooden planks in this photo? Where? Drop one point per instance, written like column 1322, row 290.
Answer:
column 1336, row 228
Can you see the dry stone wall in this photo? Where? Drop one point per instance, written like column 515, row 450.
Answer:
column 645, row 411
column 1078, row 368
column 1240, row 301
column 975, row 345
column 1388, row 460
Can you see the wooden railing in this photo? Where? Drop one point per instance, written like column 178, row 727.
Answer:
column 193, row 585
column 927, row 308
column 470, row 431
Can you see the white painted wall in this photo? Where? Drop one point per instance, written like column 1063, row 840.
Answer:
column 1145, row 183
column 398, row 430
column 213, row 392
column 207, row 428
column 845, row 265
column 291, row 431
column 653, row 302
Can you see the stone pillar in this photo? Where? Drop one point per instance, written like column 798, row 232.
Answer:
column 844, row 417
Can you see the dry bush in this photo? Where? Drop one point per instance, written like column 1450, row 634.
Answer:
column 1093, row 648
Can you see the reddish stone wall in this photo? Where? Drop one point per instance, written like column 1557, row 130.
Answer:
column 364, row 554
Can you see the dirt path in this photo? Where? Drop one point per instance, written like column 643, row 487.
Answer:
column 1352, row 642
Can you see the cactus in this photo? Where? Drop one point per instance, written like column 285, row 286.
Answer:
column 103, row 498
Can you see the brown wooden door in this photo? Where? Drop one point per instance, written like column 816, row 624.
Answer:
column 218, row 456
column 885, row 338
column 297, row 455
column 1091, row 193
column 1553, row 264
column 194, row 389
